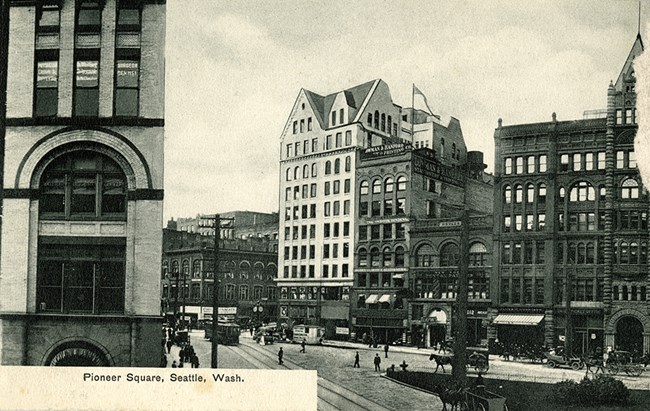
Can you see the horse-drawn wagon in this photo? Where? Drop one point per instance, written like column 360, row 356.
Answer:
column 477, row 359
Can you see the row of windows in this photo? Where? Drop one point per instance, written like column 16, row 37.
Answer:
column 303, row 148
column 582, row 161
column 302, row 125
column 523, row 252
column 379, row 208
column 625, row 252
column 382, row 122
column 329, row 230
column 384, row 258
column 308, row 271
column 295, row 173
column 581, row 222
column 87, row 60
column 533, row 164
column 312, row 293
column 522, row 290
column 629, row 293
column 334, row 248
column 388, row 185
column 445, row 285
column 533, row 222
column 582, row 289
column 425, row 256
column 382, row 231
column 379, row 280
column 631, row 115
column 228, row 292
column 631, row 220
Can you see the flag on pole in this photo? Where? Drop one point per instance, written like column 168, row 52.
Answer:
column 426, row 103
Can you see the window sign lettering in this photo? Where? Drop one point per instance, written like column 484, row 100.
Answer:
column 87, row 74
column 127, row 73
column 47, row 74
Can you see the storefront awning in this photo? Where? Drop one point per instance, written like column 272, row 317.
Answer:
column 518, row 319
column 372, row 299
column 384, row 298
column 398, row 275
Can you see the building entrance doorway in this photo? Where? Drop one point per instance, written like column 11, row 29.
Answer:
column 629, row 335
column 437, row 334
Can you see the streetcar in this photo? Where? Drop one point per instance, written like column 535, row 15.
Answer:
column 227, row 333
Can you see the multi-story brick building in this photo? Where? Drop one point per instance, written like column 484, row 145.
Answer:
column 408, row 225
column 83, row 179
column 247, row 273
column 317, row 200
column 572, row 220
column 236, row 224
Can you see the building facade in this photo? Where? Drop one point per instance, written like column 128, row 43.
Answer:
column 235, row 224
column 407, row 248
column 83, row 184
column 318, row 157
column 571, row 230
column 247, row 273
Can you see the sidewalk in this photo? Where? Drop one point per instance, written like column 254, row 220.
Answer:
column 380, row 347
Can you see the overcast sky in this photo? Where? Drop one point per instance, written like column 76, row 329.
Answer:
column 234, row 69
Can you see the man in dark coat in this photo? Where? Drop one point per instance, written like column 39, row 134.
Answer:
column 377, row 362
column 280, row 355
column 169, row 345
column 302, row 346
column 386, row 350
column 356, row 361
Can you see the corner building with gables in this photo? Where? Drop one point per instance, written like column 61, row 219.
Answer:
column 83, row 184
column 572, row 223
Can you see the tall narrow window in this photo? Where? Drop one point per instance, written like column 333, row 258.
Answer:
column 86, row 96
column 47, row 61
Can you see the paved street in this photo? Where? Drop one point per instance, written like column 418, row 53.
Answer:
column 334, row 363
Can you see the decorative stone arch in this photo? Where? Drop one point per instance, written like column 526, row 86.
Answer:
column 81, row 350
column 610, row 325
column 64, row 141
column 626, row 137
column 421, row 243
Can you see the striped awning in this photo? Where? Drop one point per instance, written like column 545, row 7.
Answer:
column 518, row 319
column 384, row 298
column 372, row 299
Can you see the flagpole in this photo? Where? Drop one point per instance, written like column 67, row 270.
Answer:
column 412, row 113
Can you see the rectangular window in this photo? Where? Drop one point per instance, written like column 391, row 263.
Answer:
column 326, row 251
column 631, row 159
column 531, row 164
column 312, row 211
column 312, row 190
column 337, row 208
column 400, row 208
column 326, row 230
column 628, row 116
column 577, row 162
column 339, row 140
column 46, row 98
column 589, row 161
column 564, row 162
column 314, row 145
column 400, row 231
column 508, row 165
column 326, row 271
column 90, row 282
column 336, row 187
column 541, row 221
column 542, row 163
column 363, row 232
column 328, row 142
column 539, row 253
column 520, row 165
column 346, row 229
column 346, row 186
column 601, row 160
column 619, row 116
column 327, row 209
column 620, row 159
column 335, row 251
column 348, row 138
column 529, row 222
column 309, row 125
column 312, row 231
column 507, row 222
column 302, row 125
column 376, row 208
column 86, row 89
column 375, row 232
column 312, row 251
column 326, row 190
column 388, row 231
column 346, row 207
column 305, row 192
column 303, row 232
column 295, row 127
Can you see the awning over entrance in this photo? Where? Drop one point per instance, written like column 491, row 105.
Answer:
column 438, row 316
column 372, row 299
column 518, row 319
column 384, row 298
column 398, row 275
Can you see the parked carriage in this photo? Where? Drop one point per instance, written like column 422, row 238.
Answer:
column 477, row 359
column 623, row 362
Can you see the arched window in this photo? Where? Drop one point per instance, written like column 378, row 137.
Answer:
column 337, row 166
column 165, row 269
column 383, row 122
column 175, row 268
column 296, row 172
column 507, row 195
column 387, row 257
column 424, row 256
column 328, row 167
column 541, row 193
column 629, row 189
column 518, row 193
column 442, row 147
column 477, row 254
column 370, row 119
column 530, row 193
column 377, row 119
column 399, row 256
column 348, row 163
column 582, row 191
column 449, row 255
column 623, row 253
column 374, row 257
column 196, row 269
column 363, row 257
column 453, row 150
column 288, row 178
column 314, row 170
column 376, row 186
column 363, row 188
column 186, row 268
column 401, row 183
column 590, row 254
column 388, row 185
column 390, row 121
column 305, row 171
column 83, row 184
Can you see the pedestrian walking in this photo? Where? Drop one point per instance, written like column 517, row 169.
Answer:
column 356, row 361
column 386, row 350
column 280, row 355
column 377, row 362
column 302, row 346
column 169, row 346
column 174, row 364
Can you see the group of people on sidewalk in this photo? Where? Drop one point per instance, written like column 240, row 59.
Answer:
column 186, row 353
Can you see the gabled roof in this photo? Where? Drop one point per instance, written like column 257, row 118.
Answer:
column 637, row 49
column 354, row 96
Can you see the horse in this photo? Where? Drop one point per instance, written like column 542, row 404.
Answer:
column 441, row 361
column 450, row 395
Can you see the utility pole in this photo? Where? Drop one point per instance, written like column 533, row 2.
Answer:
column 459, row 369
column 215, row 291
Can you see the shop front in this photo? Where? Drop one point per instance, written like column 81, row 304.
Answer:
column 477, row 326
column 588, row 333
column 519, row 330
column 334, row 316
column 435, row 326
